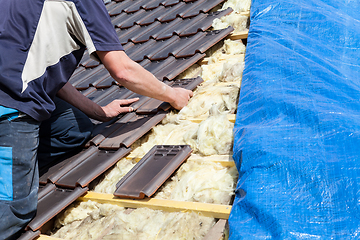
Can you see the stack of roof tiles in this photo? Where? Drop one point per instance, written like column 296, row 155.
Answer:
column 165, row 37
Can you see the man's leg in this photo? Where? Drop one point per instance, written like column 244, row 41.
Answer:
column 66, row 131
column 18, row 174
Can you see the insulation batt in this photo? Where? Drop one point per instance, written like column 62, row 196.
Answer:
column 226, row 71
column 214, row 135
column 237, row 5
column 223, row 96
column 112, row 177
column 211, row 136
column 237, row 21
column 227, row 48
column 108, row 221
column 199, row 181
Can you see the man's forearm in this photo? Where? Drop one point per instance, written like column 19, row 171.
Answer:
column 134, row 77
column 71, row 95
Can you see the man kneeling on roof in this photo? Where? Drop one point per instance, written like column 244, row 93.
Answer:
column 42, row 115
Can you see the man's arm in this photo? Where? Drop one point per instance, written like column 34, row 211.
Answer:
column 91, row 109
column 137, row 79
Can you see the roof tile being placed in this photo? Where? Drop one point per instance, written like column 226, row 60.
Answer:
column 52, row 203
column 154, row 105
column 152, row 171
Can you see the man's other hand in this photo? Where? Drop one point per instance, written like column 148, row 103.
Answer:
column 117, row 107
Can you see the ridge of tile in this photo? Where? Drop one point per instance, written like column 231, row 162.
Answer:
column 201, row 6
column 57, row 171
column 78, row 78
column 202, row 22
column 52, row 204
column 91, row 167
column 209, row 40
column 100, row 74
column 152, row 171
column 112, row 93
column 169, row 68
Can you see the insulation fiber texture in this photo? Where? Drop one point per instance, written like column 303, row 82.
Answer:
column 297, row 130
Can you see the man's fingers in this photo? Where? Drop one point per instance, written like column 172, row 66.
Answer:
column 127, row 109
column 128, row 101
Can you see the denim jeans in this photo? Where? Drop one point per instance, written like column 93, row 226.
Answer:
column 25, row 143
column 19, row 139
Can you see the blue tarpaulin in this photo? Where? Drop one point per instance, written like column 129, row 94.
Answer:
column 297, row 130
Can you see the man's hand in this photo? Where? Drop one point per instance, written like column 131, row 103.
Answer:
column 181, row 97
column 137, row 79
column 115, row 108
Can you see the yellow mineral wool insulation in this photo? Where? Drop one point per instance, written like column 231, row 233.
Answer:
column 230, row 47
column 112, row 222
column 211, row 136
column 197, row 181
column 237, row 5
column 170, row 133
column 75, row 213
column 214, row 135
column 229, row 71
column 223, row 96
column 237, row 21
column 113, row 176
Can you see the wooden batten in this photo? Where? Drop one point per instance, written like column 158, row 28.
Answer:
column 205, row 209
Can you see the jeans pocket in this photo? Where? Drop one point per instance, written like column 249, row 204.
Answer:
column 6, row 163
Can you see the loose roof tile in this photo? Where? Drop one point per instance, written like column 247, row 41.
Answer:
column 152, row 171
column 154, row 105
column 53, row 203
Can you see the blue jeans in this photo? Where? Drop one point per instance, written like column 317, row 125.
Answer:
column 23, row 140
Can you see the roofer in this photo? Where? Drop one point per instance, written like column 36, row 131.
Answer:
column 41, row 44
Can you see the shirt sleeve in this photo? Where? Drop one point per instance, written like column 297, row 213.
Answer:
column 93, row 27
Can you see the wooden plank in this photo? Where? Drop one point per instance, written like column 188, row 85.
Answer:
column 205, row 209
column 45, row 237
column 231, row 117
column 239, row 35
column 217, row 232
column 245, row 13
column 224, row 160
